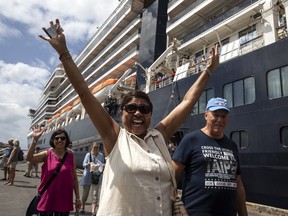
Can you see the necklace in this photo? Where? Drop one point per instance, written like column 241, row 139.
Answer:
column 60, row 156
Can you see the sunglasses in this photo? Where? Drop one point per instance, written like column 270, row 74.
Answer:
column 60, row 138
column 132, row 108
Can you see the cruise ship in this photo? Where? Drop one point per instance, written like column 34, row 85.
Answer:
column 161, row 47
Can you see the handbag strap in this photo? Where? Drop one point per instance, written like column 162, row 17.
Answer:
column 165, row 153
column 91, row 158
column 54, row 174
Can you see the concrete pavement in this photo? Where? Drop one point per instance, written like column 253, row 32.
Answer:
column 14, row 200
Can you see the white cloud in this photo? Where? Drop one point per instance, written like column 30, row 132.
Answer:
column 6, row 31
column 21, row 83
column 78, row 16
column 20, row 89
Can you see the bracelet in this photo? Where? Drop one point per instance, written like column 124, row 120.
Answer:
column 65, row 58
column 62, row 54
column 208, row 72
column 77, row 199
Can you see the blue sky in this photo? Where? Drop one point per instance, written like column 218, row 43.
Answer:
column 26, row 61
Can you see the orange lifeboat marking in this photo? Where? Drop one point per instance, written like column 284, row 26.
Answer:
column 66, row 109
column 103, row 84
column 77, row 101
column 56, row 115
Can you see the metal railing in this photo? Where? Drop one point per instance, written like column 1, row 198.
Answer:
column 2, row 152
column 193, row 68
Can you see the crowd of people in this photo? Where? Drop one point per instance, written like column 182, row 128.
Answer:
column 137, row 178
column 9, row 160
column 93, row 164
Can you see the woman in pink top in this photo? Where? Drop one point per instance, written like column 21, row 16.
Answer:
column 58, row 198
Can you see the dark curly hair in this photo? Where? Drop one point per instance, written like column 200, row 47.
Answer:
column 57, row 132
column 136, row 94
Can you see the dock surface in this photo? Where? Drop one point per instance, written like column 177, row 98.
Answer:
column 15, row 199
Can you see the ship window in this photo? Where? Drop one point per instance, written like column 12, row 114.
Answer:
column 240, row 138
column 284, row 136
column 199, row 55
column 249, row 90
column 247, row 35
column 277, row 82
column 223, row 43
column 200, row 106
column 228, row 94
column 238, row 96
column 240, row 92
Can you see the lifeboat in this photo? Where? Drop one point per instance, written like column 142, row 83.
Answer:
column 77, row 101
column 49, row 120
column 65, row 109
column 57, row 115
column 75, row 105
column 102, row 90
column 62, row 118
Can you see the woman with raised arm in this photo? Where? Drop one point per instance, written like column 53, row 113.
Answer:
column 58, row 197
column 136, row 179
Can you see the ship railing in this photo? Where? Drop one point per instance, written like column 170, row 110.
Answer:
column 191, row 7
column 99, row 57
column 104, row 30
column 2, row 151
column 167, row 80
column 251, row 45
column 161, row 83
column 282, row 32
column 217, row 20
column 197, row 67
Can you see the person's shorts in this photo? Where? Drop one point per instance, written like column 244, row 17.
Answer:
column 4, row 162
column 13, row 165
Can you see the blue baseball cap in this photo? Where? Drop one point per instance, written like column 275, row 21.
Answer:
column 217, row 104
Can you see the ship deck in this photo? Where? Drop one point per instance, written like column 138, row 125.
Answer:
column 15, row 199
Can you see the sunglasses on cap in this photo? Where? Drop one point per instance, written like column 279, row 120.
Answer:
column 60, row 138
column 132, row 108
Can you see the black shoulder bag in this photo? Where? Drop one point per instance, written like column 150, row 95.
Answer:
column 32, row 208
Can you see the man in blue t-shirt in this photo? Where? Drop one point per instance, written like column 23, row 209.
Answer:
column 212, row 184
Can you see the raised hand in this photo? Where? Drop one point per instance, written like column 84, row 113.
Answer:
column 58, row 42
column 37, row 131
column 213, row 59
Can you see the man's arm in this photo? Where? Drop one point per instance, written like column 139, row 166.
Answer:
column 4, row 145
column 177, row 116
column 86, row 162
